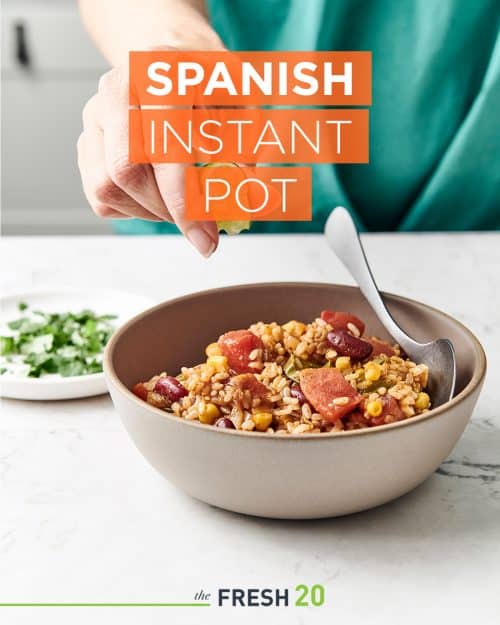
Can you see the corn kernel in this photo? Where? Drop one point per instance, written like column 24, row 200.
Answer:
column 262, row 420
column 295, row 328
column 423, row 401
column 219, row 363
column 213, row 350
column 208, row 414
column 343, row 362
column 374, row 408
column 373, row 371
column 206, row 372
column 291, row 342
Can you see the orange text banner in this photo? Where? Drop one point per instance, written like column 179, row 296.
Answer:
column 169, row 78
column 249, row 135
column 232, row 193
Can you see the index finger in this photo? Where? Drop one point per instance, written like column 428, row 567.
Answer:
column 136, row 179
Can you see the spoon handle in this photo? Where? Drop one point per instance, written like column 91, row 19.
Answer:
column 343, row 237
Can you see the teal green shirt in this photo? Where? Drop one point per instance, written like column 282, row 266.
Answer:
column 435, row 117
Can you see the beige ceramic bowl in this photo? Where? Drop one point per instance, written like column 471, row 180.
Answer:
column 294, row 477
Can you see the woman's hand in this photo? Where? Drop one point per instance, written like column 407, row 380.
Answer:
column 114, row 187
column 118, row 189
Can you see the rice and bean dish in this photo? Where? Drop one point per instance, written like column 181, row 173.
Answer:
column 296, row 378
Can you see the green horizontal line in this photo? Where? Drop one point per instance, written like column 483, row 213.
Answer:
column 104, row 605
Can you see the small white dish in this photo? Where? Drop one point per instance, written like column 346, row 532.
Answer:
column 102, row 301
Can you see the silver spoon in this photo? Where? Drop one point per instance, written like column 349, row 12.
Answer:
column 439, row 355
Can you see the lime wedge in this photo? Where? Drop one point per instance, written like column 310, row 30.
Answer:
column 230, row 227
column 233, row 227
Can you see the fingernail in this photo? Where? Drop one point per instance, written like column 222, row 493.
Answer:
column 202, row 241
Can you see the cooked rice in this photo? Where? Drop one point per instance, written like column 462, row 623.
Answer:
column 400, row 379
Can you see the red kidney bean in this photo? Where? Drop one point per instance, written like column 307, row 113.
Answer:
column 345, row 344
column 171, row 388
column 225, row 422
column 296, row 391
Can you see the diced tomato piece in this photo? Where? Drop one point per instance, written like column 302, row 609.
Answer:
column 390, row 407
column 340, row 320
column 322, row 386
column 248, row 382
column 380, row 347
column 140, row 390
column 237, row 346
column 355, row 420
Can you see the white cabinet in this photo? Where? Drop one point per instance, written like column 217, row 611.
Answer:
column 49, row 69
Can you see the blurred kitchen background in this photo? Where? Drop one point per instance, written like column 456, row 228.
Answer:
column 49, row 70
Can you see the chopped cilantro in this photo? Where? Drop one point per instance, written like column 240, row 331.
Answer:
column 6, row 345
column 69, row 344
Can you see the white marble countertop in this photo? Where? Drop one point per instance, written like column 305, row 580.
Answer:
column 84, row 518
